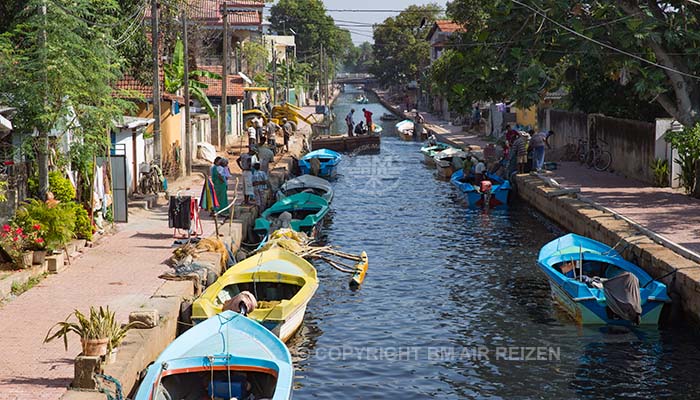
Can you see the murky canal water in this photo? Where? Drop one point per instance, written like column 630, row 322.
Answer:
column 454, row 306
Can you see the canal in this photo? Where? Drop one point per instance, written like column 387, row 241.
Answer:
column 454, row 305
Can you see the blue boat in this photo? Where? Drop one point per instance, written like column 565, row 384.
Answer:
column 226, row 356
column 495, row 196
column 328, row 160
column 595, row 285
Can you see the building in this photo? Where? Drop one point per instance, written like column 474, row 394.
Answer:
column 439, row 38
column 234, row 101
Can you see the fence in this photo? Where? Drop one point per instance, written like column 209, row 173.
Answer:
column 631, row 143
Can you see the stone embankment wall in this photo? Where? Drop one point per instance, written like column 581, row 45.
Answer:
column 582, row 217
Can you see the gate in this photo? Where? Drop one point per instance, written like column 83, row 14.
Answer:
column 117, row 166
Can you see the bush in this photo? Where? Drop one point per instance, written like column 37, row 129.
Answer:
column 687, row 142
column 61, row 187
column 83, row 227
column 57, row 222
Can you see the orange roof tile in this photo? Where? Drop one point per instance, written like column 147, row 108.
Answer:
column 444, row 25
column 233, row 89
column 209, row 12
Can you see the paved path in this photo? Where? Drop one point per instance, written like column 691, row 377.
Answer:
column 663, row 210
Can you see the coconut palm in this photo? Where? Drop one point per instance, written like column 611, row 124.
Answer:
column 175, row 78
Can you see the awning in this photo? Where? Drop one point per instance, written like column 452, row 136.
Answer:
column 5, row 124
column 129, row 122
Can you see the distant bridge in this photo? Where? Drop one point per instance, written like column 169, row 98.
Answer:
column 354, row 79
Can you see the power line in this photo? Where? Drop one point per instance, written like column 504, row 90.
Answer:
column 599, row 43
column 91, row 23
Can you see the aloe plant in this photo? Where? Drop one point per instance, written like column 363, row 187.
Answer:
column 99, row 324
column 175, row 79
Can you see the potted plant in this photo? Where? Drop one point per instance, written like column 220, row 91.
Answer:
column 99, row 332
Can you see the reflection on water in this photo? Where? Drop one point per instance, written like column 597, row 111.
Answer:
column 454, row 306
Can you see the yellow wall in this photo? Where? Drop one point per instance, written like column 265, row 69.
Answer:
column 170, row 127
column 526, row 116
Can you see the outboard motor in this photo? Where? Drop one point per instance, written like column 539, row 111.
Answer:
column 485, row 186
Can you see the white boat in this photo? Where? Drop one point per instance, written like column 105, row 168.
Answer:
column 306, row 183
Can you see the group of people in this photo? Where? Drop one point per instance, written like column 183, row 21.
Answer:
column 362, row 127
column 519, row 144
column 254, row 165
column 257, row 134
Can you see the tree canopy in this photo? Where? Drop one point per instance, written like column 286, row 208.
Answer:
column 400, row 49
column 360, row 58
column 519, row 50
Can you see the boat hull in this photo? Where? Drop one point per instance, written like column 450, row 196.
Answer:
column 585, row 299
column 498, row 196
column 593, row 312
column 328, row 164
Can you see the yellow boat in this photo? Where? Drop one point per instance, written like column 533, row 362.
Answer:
column 282, row 283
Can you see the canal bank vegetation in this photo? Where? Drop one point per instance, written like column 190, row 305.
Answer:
column 625, row 59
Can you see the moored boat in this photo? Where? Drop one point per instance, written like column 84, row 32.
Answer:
column 448, row 161
column 388, row 117
column 227, row 356
column 326, row 159
column 405, row 129
column 305, row 211
column 306, row 184
column 282, row 283
column 429, row 152
column 595, row 285
column 482, row 194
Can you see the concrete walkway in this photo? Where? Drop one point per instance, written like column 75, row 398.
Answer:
column 665, row 211
column 121, row 272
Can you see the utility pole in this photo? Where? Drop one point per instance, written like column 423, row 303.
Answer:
column 274, row 74
column 157, row 145
column 286, row 61
column 188, row 128
column 322, row 85
column 224, row 75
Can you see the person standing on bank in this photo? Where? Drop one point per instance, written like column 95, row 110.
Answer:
column 272, row 129
column 537, row 142
column 245, row 163
column 252, row 136
column 349, row 122
column 418, row 125
column 287, row 131
column 219, row 175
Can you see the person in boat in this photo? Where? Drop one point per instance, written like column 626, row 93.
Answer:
column 479, row 171
column 349, row 122
column 219, row 176
column 287, row 131
column 261, row 186
column 368, row 118
column 432, row 140
column 360, row 128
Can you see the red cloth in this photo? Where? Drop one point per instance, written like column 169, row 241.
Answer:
column 511, row 135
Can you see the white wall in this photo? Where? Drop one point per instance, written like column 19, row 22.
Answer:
column 125, row 137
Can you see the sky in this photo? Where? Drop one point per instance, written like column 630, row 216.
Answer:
column 363, row 32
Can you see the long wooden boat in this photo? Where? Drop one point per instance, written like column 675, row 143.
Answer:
column 595, row 285
column 429, row 152
column 480, row 195
column 358, row 144
column 309, row 184
column 328, row 163
column 444, row 161
column 307, row 212
column 282, row 283
column 388, row 117
column 227, row 356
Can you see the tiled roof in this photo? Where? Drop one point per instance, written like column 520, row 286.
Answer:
column 448, row 26
column 209, row 12
column 146, row 90
column 233, row 89
column 444, row 25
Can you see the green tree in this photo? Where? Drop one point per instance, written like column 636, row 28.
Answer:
column 360, row 58
column 175, row 79
column 534, row 43
column 60, row 64
column 400, row 49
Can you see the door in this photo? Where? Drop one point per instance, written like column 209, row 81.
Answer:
column 119, row 184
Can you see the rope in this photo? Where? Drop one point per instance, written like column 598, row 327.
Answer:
column 117, row 387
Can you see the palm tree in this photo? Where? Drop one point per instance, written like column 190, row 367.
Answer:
column 175, row 79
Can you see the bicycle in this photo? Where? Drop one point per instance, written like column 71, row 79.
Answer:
column 598, row 158
column 151, row 180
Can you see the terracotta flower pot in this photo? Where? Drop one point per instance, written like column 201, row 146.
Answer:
column 27, row 258
column 95, row 347
column 39, row 256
